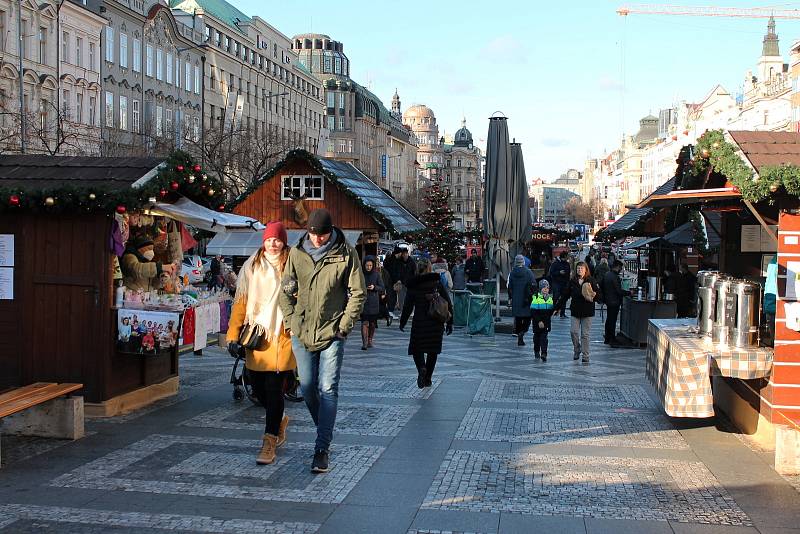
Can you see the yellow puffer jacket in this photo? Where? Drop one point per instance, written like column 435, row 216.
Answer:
column 275, row 356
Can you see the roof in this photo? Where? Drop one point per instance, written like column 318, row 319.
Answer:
column 764, row 149
column 369, row 193
column 219, row 9
column 43, row 172
column 684, row 234
column 690, row 196
column 635, row 218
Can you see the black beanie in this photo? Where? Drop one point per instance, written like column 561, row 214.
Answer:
column 142, row 242
column 320, row 222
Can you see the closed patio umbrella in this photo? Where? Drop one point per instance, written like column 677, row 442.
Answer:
column 521, row 213
column 499, row 197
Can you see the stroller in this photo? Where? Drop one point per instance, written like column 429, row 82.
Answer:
column 240, row 379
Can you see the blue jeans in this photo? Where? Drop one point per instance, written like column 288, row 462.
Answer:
column 319, row 381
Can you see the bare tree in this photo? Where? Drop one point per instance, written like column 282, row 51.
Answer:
column 48, row 130
column 578, row 211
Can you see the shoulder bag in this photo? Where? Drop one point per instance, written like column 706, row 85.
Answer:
column 251, row 336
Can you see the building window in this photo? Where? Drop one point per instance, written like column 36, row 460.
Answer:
column 43, row 45
column 159, row 121
column 135, row 114
column 123, row 112
column 2, row 29
column 110, row 45
column 458, row 207
column 65, row 104
column 217, row 38
column 195, row 129
column 91, row 56
column 168, row 121
column 341, row 123
column 109, row 109
column 177, row 71
column 342, row 146
column 123, row 50
column 207, row 33
column 137, row 55
column 92, row 111
column 169, row 68
column 341, row 101
column 148, row 60
column 159, row 64
column 197, row 81
column 331, row 100
column 188, row 85
column 79, row 107
column 78, row 51
column 331, row 122
column 312, row 187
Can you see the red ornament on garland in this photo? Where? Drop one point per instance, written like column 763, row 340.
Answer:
column 121, row 209
column 180, row 168
column 163, row 193
column 221, row 207
column 174, row 186
column 14, row 200
column 197, row 168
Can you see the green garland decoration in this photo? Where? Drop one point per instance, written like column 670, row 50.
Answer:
column 314, row 162
column 713, row 152
column 179, row 175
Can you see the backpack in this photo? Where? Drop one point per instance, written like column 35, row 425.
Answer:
column 438, row 310
column 443, row 280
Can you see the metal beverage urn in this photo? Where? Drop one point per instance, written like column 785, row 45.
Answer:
column 724, row 311
column 706, row 299
column 748, row 313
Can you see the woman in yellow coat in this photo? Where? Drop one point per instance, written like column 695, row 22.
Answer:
column 272, row 364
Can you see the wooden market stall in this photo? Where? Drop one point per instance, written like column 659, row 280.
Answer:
column 63, row 223
column 736, row 370
column 301, row 183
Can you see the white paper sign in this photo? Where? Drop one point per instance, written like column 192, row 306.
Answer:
column 791, row 240
column 751, row 238
column 6, row 283
column 6, row 250
column 792, row 280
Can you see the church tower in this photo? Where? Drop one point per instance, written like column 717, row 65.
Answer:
column 396, row 104
column 770, row 64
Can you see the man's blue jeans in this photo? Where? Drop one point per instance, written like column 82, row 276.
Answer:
column 319, row 381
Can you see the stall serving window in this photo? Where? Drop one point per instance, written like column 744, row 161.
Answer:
column 295, row 186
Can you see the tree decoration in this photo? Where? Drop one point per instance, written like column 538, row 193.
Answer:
column 121, row 209
column 13, row 200
column 179, row 168
column 174, row 186
column 439, row 235
column 210, row 192
column 725, row 159
column 190, row 179
column 197, row 168
column 49, row 201
column 162, row 193
column 92, row 197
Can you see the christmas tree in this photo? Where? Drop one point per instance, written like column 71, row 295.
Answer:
column 439, row 235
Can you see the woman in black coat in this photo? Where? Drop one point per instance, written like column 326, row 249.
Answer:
column 371, row 311
column 426, row 332
column 582, row 289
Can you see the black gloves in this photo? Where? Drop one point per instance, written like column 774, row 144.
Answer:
column 235, row 349
column 449, row 328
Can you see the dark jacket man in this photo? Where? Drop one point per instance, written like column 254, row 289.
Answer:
column 474, row 268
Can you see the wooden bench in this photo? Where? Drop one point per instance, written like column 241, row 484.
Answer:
column 46, row 413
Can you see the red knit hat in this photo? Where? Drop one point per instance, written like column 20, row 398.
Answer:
column 275, row 229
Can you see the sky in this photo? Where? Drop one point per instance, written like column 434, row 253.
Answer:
column 572, row 76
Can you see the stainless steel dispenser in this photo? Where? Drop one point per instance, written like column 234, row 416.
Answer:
column 706, row 298
column 724, row 312
column 748, row 313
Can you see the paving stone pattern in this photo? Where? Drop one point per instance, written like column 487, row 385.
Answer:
column 356, row 418
column 208, row 467
column 579, row 428
column 36, row 519
column 587, row 486
column 629, row 396
column 390, row 387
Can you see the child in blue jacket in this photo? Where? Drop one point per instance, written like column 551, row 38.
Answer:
column 541, row 312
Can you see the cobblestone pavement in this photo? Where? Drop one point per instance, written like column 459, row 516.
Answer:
column 500, row 443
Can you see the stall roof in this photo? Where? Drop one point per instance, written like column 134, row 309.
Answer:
column 684, row 234
column 690, row 196
column 639, row 243
column 194, row 214
column 41, row 172
column 764, row 149
column 245, row 242
column 636, row 217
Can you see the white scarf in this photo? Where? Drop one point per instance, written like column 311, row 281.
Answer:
column 260, row 289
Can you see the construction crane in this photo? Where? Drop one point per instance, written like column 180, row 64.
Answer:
column 709, row 11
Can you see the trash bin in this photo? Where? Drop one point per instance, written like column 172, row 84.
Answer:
column 460, row 306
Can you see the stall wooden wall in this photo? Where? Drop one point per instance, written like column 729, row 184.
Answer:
column 265, row 203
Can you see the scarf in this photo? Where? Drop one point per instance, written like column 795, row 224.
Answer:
column 260, row 288
column 319, row 252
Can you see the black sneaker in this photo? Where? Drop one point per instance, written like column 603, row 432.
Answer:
column 320, row 463
column 544, row 357
column 421, row 376
column 576, row 356
column 536, row 355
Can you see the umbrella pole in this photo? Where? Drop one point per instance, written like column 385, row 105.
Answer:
column 497, row 298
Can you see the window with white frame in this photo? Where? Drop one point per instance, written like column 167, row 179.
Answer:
column 168, row 121
column 188, row 85
column 123, row 50
column 110, row 44
column 159, row 121
column 109, row 109
column 159, row 64
column 137, row 55
column 177, row 71
column 308, row 186
column 123, row 112
column 169, row 68
column 78, row 51
column 79, row 107
column 331, row 122
column 92, row 111
column 135, row 115
column 148, row 60
column 195, row 129
column 91, row 56
column 196, row 80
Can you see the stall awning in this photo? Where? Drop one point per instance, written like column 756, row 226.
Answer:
column 639, row 243
column 245, row 242
column 684, row 235
column 193, row 214
column 634, row 221
column 690, row 196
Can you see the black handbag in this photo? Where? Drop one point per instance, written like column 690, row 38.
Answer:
column 251, row 336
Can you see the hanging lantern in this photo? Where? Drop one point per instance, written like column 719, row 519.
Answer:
column 180, row 168
column 121, row 209
column 174, row 186
column 92, row 197
column 190, row 179
column 197, row 168
column 49, row 201
column 13, row 200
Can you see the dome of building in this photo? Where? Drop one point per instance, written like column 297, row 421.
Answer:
column 463, row 136
column 418, row 111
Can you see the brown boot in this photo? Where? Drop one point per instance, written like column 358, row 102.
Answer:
column 282, row 431
column 267, row 453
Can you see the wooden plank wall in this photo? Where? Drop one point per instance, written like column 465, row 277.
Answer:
column 265, row 203
column 11, row 342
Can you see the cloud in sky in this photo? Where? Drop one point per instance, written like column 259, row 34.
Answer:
column 506, row 49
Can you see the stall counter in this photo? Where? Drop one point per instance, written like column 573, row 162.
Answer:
column 635, row 314
column 680, row 364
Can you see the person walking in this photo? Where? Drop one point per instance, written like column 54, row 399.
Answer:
column 384, row 312
column 582, row 290
column 459, row 275
column 559, row 277
column 271, row 365
column 521, row 284
column 215, row 271
column 426, row 332
column 391, row 265
column 372, row 305
column 474, row 268
column 322, row 298
column 442, row 270
column 541, row 313
column 611, row 289
column 602, row 268
column 407, row 269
